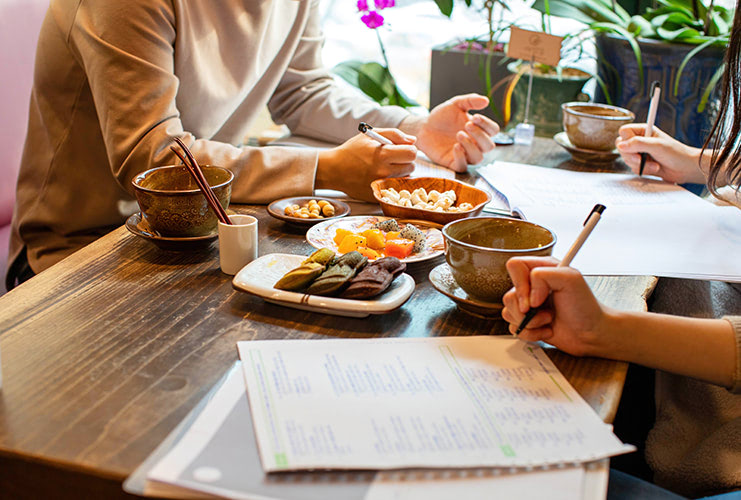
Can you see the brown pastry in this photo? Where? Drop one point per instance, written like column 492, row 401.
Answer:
column 374, row 279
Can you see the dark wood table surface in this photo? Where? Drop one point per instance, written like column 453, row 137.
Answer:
column 104, row 353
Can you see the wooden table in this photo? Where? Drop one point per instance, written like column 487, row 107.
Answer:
column 104, row 353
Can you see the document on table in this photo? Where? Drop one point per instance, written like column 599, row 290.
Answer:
column 650, row 227
column 213, row 453
column 401, row 403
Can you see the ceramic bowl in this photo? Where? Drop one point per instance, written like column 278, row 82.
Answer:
column 594, row 126
column 477, row 249
column 464, row 194
column 172, row 204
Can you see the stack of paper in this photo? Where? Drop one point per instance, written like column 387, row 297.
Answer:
column 650, row 227
column 433, row 402
column 213, row 453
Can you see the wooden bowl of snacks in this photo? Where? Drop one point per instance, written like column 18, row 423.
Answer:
column 428, row 198
column 307, row 210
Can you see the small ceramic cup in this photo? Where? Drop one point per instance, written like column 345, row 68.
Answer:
column 477, row 249
column 594, row 126
column 237, row 243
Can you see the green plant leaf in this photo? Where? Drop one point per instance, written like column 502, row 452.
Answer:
column 375, row 81
column 674, row 20
column 679, row 35
column 612, row 28
column 688, row 58
column 446, row 6
column 673, row 6
column 640, row 26
column 709, row 89
column 586, row 11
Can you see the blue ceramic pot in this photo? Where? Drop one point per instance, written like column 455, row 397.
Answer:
column 677, row 114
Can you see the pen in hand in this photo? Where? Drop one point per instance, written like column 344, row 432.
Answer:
column 651, row 118
column 592, row 220
column 368, row 130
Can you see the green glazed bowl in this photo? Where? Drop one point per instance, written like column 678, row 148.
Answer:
column 477, row 249
column 172, row 204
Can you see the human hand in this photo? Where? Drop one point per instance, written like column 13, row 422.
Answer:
column 572, row 320
column 452, row 137
column 353, row 165
column 668, row 158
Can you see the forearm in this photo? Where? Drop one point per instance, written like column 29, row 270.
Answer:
column 704, row 349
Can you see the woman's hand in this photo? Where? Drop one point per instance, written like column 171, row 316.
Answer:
column 571, row 320
column 669, row 159
column 452, row 137
column 353, row 165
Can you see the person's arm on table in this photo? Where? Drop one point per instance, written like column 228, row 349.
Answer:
column 669, row 159
column 452, row 137
column 575, row 322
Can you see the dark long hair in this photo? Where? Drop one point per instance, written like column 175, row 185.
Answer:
column 725, row 136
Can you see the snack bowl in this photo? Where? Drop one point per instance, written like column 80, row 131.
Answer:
column 277, row 210
column 464, row 194
column 477, row 250
column 172, row 204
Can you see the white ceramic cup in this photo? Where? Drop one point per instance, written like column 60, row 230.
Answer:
column 237, row 243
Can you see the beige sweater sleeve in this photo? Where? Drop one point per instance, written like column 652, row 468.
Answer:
column 138, row 83
column 309, row 102
column 736, row 323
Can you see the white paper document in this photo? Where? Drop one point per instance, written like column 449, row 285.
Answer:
column 401, row 403
column 650, row 227
column 216, row 455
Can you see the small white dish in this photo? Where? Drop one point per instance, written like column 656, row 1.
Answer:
column 259, row 276
column 322, row 235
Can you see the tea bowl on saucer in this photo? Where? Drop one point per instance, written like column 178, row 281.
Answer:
column 173, row 205
column 594, row 126
column 477, row 250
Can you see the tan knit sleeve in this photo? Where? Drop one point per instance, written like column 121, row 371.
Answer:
column 735, row 321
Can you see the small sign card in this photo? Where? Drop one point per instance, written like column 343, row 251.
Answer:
column 534, row 46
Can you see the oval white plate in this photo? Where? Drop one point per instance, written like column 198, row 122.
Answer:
column 259, row 276
column 322, row 235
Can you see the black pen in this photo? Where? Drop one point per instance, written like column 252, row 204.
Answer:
column 653, row 107
column 368, row 130
column 592, row 219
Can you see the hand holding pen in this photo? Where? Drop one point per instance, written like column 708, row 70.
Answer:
column 592, row 219
column 653, row 107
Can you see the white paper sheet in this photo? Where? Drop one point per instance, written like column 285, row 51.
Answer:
column 650, row 227
column 423, row 402
column 216, row 455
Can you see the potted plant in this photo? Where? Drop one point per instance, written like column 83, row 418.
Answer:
column 372, row 78
column 680, row 43
column 480, row 65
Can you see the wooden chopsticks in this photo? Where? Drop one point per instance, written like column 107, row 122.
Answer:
column 195, row 170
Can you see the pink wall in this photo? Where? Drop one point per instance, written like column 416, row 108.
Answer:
column 20, row 21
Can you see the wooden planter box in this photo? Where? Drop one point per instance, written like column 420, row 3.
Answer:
column 457, row 71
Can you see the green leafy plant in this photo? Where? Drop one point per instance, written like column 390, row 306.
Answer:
column 372, row 78
column 695, row 22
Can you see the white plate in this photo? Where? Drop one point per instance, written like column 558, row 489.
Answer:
column 259, row 276
column 322, row 234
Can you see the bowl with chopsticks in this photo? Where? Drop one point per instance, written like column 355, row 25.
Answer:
column 437, row 200
column 172, row 203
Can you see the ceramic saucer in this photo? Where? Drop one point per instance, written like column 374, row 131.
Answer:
column 585, row 155
column 139, row 226
column 442, row 279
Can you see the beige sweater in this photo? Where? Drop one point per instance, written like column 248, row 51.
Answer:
column 694, row 447
column 116, row 80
